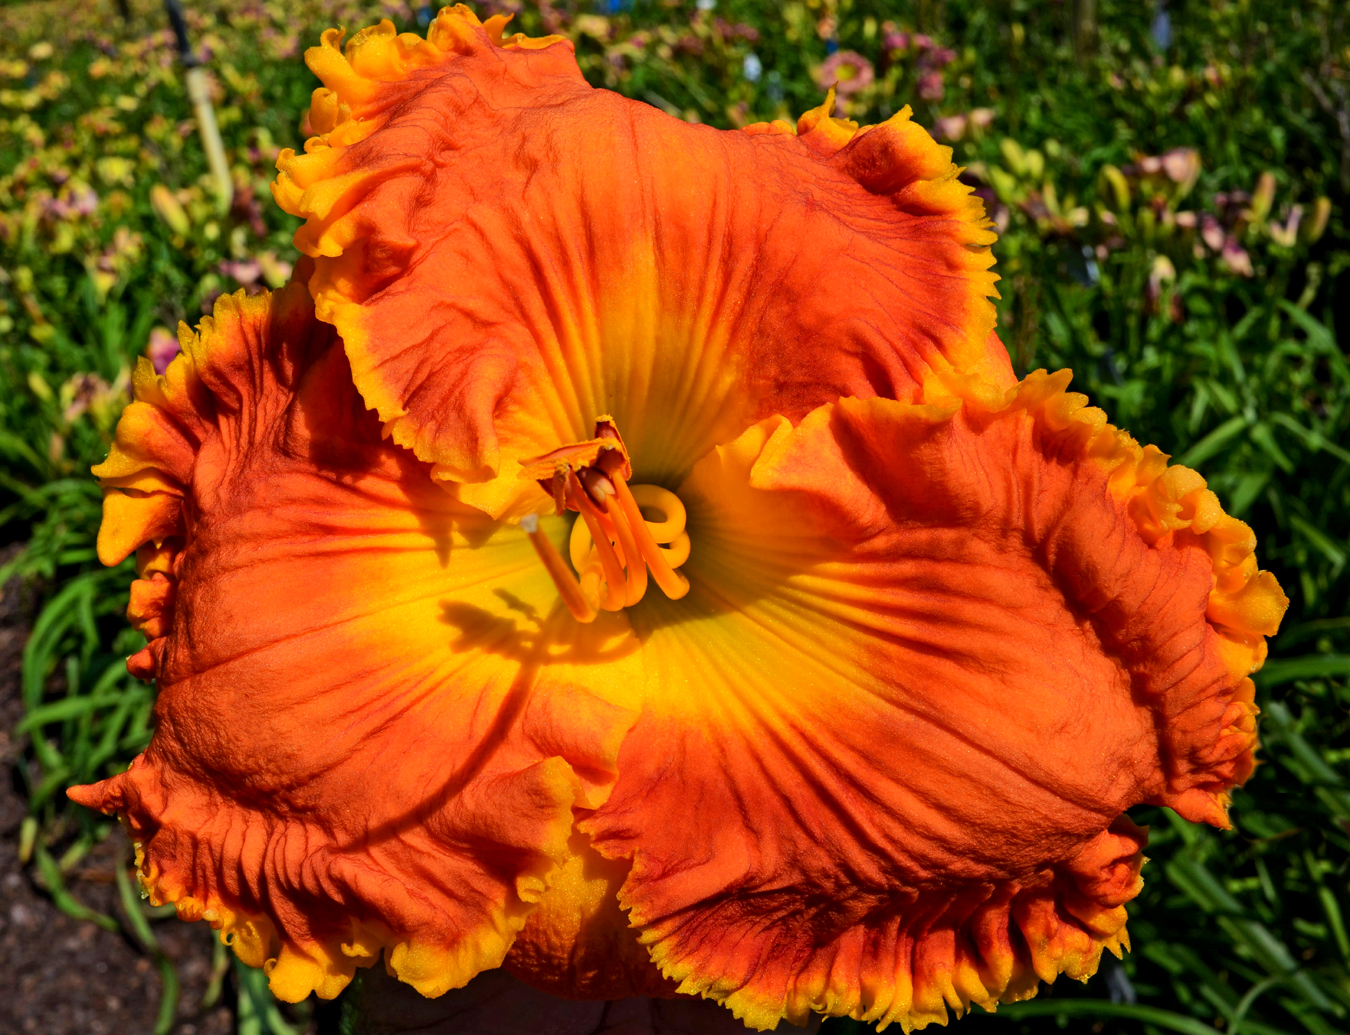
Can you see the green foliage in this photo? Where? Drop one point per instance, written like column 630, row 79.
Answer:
column 1172, row 218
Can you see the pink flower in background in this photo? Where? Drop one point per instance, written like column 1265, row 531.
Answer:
column 257, row 272
column 950, row 127
column 847, row 71
column 953, row 127
column 1182, row 164
column 245, row 271
column 931, row 87
column 1235, row 257
column 275, row 271
column 82, row 201
column 162, row 348
column 1211, row 233
column 938, row 57
column 82, row 391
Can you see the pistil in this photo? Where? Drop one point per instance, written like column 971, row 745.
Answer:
column 612, row 543
column 568, row 587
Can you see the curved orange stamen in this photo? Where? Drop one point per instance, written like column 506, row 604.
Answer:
column 637, row 570
column 672, row 583
column 615, row 582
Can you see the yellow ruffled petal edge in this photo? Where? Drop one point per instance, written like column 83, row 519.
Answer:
column 1246, row 604
column 990, row 944
column 348, row 108
column 898, row 158
column 326, row 967
column 986, row 945
column 901, row 159
column 179, row 859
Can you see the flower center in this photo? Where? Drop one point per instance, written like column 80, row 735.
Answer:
column 613, row 543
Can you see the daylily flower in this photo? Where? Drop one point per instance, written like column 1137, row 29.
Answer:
column 893, row 39
column 1212, row 232
column 625, row 556
column 847, row 71
column 162, row 348
column 1235, row 258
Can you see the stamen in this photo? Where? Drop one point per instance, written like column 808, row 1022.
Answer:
column 615, row 582
column 653, row 497
column 597, row 486
column 568, row 587
column 637, row 571
column 673, row 584
column 613, row 544
column 671, row 538
column 677, row 551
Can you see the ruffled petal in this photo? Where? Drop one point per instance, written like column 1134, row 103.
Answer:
column 933, row 651
column 509, row 253
column 352, row 752
column 577, row 942
column 942, row 629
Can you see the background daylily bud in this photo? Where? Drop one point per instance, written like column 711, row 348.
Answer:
column 1317, row 224
column 1182, row 166
column 1118, row 185
column 1161, row 273
column 1013, row 155
column 1287, row 233
column 168, row 209
column 1262, row 198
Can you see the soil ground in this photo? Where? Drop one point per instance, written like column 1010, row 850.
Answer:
column 58, row 975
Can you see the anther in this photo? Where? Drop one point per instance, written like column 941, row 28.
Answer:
column 597, row 486
column 613, row 544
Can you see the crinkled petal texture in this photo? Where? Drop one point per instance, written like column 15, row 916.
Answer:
column 345, row 758
column 509, row 253
column 933, row 651
column 874, row 764
column 943, row 629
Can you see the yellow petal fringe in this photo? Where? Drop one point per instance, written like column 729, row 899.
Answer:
column 1165, row 502
column 347, row 108
column 1065, row 919
column 897, row 158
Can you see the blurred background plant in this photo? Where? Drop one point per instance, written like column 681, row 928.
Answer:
column 1169, row 182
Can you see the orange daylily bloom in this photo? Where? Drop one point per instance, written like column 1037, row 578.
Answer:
column 833, row 695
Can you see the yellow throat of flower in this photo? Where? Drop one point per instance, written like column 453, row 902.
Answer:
column 614, row 544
